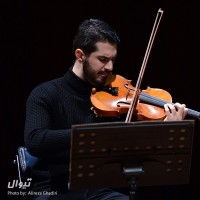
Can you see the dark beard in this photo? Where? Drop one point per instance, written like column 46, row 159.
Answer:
column 90, row 77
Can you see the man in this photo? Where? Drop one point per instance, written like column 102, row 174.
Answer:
column 54, row 106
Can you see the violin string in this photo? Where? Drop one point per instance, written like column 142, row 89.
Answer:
column 151, row 99
column 160, row 102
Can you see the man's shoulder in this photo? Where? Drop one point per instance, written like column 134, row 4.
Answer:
column 48, row 87
column 49, row 83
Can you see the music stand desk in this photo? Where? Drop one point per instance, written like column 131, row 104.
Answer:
column 111, row 154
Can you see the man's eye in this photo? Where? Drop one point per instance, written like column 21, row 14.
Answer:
column 104, row 60
column 113, row 60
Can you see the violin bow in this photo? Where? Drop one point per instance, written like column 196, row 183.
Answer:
column 144, row 63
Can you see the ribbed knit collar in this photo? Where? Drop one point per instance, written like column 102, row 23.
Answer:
column 76, row 84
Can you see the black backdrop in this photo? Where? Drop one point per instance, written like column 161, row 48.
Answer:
column 36, row 46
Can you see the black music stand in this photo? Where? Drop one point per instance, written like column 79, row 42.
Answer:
column 119, row 154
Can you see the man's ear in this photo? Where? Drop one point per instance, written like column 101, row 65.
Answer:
column 79, row 55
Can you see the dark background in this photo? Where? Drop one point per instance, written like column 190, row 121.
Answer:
column 36, row 42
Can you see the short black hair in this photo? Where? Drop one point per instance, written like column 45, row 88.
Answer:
column 92, row 31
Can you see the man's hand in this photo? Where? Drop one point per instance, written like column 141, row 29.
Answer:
column 175, row 112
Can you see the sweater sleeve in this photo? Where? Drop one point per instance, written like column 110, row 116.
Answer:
column 40, row 138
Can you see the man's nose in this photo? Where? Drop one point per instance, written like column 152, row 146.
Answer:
column 109, row 65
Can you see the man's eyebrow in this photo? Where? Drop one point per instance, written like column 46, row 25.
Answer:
column 107, row 57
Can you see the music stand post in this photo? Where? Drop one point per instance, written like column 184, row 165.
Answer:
column 119, row 154
column 131, row 173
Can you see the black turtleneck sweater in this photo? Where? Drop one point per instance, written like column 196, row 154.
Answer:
column 52, row 108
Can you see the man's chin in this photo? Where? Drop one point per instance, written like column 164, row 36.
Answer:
column 100, row 83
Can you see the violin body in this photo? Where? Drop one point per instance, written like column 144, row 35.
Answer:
column 148, row 111
column 109, row 103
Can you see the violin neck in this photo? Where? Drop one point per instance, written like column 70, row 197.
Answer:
column 145, row 98
column 193, row 113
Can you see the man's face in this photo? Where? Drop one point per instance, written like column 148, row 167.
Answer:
column 99, row 64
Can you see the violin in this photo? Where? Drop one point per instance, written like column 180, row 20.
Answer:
column 119, row 96
column 115, row 100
